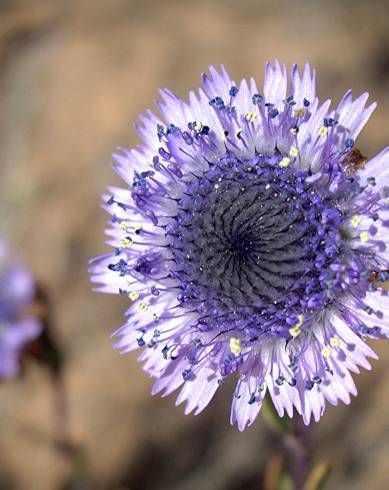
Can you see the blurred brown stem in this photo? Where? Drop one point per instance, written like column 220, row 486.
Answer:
column 60, row 413
column 49, row 353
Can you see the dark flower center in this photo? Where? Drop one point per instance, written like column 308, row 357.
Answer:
column 249, row 236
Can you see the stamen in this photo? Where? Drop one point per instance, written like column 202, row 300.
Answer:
column 293, row 152
column 326, row 352
column 284, row 162
column 251, row 116
column 235, row 346
column 143, row 306
column 133, row 295
column 335, row 342
column 356, row 220
column 299, row 112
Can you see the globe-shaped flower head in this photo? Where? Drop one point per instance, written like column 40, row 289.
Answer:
column 17, row 325
column 252, row 237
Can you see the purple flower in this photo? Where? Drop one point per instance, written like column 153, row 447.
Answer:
column 17, row 328
column 251, row 237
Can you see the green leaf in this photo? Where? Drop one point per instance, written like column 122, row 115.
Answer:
column 285, row 482
column 317, row 478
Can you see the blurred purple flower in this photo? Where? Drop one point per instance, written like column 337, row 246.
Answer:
column 251, row 238
column 17, row 327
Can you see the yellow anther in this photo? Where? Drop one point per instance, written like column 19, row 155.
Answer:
column 326, row 352
column 364, row 236
column 293, row 131
column 126, row 242
column 299, row 112
column 300, row 320
column 224, row 135
column 134, row 295
column 251, row 116
column 143, row 306
column 293, row 152
column 235, row 346
column 323, row 131
column 295, row 331
column 356, row 220
column 238, row 132
column 155, row 318
column 335, row 342
column 137, row 228
column 124, row 225
column 284, row 162
column 198, row 126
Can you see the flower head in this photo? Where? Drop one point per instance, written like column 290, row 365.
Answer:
column 251, row 238
column 17, row 327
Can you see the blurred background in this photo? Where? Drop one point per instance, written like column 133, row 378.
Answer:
column 74, row 76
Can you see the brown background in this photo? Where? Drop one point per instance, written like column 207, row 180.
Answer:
column 74, row 76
